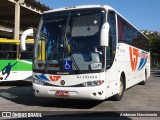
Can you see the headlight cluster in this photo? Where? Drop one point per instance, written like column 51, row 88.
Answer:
column 93, row 83
column 40, row 82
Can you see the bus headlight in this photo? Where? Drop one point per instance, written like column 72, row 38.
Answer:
column 93, row 83
column 40, row 82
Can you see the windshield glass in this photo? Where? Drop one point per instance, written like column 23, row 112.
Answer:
column 70, row 41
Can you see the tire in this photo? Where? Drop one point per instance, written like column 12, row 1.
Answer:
column 119, row 95
column 144, row 81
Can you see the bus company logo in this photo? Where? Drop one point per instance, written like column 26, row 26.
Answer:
column 54, row 78
column 62, row 82
column 143, row 60
column 134, row 54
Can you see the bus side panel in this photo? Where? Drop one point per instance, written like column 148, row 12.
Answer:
column 15, row 70
column 133, row 62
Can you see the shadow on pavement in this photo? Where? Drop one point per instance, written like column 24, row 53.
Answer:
column 16, row 83
column 24, row 95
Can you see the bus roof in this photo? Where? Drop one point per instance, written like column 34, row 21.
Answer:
column 79, row 7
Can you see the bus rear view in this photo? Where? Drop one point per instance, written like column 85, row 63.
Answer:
column 76, row 55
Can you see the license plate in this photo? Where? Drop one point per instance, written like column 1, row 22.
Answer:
column 62, row 93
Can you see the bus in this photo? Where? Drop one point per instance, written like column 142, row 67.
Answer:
column 88, row 52
column 15, row 64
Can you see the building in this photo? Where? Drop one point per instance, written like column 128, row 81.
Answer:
column 18, row 15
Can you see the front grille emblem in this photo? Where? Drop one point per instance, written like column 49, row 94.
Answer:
column 62, row 82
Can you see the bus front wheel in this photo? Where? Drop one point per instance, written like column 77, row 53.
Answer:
column 119, row 95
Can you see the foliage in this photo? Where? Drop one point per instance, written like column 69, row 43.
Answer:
column 154, row 40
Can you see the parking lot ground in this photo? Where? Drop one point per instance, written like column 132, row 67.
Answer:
column 19, row 96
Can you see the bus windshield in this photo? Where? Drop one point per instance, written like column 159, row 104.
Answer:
column 70, row 41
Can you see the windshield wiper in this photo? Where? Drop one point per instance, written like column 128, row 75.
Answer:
column 65, row 41
column 50, row 60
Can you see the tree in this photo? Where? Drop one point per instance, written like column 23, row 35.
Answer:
column 154, row 40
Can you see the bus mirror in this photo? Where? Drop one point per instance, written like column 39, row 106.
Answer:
column 23, row 38
column 104, row 38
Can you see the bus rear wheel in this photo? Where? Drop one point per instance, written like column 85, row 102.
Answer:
column 145, row 78
column 119, row 95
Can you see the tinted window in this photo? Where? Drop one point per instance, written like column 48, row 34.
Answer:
column 8, row 51
column 112, row 35
column 28, row 54
column 111, row 49
column 128, row 34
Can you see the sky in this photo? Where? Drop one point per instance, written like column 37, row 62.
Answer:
column 143, row 14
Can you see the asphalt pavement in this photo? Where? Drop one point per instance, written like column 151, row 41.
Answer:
column 19, row 97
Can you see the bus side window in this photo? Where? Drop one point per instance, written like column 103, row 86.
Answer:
column 112, row 38
column 7, row 56
column 28, row 54
column 19, row 56
column 8, row 51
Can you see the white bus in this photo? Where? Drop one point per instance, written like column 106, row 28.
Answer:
column 88, row 52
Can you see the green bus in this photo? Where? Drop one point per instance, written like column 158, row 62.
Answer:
column 14, row 63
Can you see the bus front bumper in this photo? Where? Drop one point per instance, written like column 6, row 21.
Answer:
column 95, row 93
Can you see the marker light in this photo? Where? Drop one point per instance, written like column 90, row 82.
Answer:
column 93, row 83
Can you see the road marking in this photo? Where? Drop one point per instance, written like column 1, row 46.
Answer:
column 7, row 95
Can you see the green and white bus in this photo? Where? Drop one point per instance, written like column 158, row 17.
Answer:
column 15, row 64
